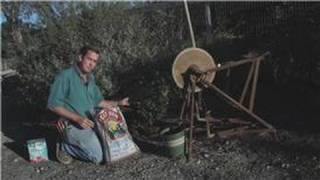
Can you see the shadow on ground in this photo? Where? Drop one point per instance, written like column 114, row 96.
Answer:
column 19, row 126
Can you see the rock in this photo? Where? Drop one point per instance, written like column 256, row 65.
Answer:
column 217, row 168
column 206, row 155
column 227, row 142
column 16, row 160
column 314, row 158
column 70, row 172
column 268, row 167
column 284, row 165
column 38, row 170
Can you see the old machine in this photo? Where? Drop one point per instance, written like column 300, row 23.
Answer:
column 193, row 70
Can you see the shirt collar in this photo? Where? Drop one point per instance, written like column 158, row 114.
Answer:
column 81, row 74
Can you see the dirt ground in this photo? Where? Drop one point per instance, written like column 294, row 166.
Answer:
column 295, row 155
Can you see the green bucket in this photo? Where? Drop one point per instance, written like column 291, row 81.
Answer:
column 172, row 144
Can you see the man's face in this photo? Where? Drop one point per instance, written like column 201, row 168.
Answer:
column 88, row 62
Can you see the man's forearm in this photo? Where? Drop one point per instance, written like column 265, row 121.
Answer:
column 61, row 111
column 108, row 103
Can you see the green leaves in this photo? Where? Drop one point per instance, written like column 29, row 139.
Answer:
column 135, row 37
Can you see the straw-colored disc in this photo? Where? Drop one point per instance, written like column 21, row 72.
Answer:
column 192, row 56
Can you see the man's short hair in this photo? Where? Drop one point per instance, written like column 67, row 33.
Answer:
column 84, row 50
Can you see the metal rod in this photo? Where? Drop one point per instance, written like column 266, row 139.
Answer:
column 209, row 134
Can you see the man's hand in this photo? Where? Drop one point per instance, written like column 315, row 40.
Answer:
column 60, row 127
column 102, row 116
column 124, row 102
column 85, row 122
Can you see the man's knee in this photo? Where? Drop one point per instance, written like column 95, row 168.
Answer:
column 97, row 159
column 96, row 155
column 88, row 144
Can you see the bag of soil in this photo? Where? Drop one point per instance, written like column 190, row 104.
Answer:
column 116, row 140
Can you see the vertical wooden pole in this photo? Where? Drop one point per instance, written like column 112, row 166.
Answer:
column 189, row 23
column 183, row 107
column 254, row 85
column 246, row 85
column 191, row 120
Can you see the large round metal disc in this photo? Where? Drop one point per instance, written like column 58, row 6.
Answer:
column 192, row 56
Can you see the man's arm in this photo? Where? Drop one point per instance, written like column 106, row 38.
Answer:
column 83, row 122
column 109, row 103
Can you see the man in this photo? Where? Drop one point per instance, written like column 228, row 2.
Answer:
column 73, row 95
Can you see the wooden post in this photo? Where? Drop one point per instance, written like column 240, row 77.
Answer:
column 192, row 106
column 246, row 85
column 254, row 85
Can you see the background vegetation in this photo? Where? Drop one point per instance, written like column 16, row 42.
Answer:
column 139, row 41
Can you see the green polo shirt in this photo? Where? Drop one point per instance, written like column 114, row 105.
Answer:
column 70, row 91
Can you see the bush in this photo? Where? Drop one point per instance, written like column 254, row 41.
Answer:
column 128, row 38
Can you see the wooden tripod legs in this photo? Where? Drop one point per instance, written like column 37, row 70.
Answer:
column 189, row 112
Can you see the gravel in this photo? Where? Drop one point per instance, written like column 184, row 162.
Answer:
column 294, row 156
